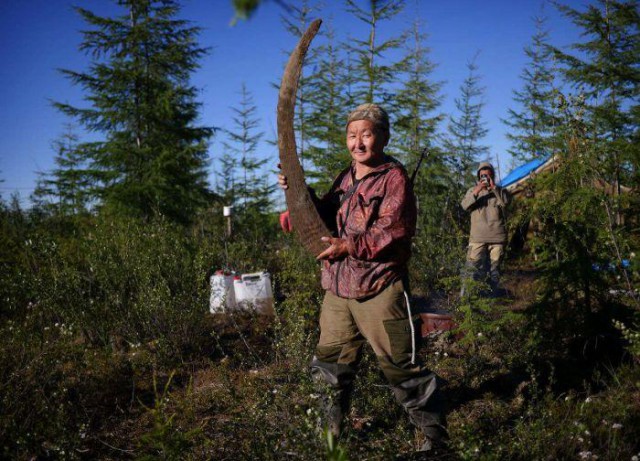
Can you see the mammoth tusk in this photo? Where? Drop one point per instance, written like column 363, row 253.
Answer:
column 307, row 223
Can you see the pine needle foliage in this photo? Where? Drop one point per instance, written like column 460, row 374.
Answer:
column 68, row 188
column 466, row 129
column 242, row 145
column 329, row 101
column 417, row 100
column 604, row 69
column 153, row 157
column 374, row 75
column 295, row 20
column 533, row 120
column 579, row 249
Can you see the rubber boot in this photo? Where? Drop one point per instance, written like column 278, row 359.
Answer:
column 334, row 383
column 494, row 280
column 335, row 406
column 421, row 399
column 471, row 271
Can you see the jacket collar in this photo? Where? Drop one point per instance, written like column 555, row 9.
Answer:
column 387, row 164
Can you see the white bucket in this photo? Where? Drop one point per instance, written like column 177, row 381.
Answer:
column 222, row 295
column 253, row 291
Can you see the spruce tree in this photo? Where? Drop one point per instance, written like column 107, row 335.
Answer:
column 417, row 100
column 533, row 121
column 605, row 71
column 435, row 244
column 153, row 158
column 328, row 107
column 371, row 67
column 466, row 130
column 296, row 20
column 582, row 242
column 243, row 143
column 226, row 177
column 67, row 189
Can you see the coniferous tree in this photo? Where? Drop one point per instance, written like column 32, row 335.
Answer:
column 371, row 69
column 152, row 160
column 67, row 189
column 296, row 20
column 604, row 69
column 417, row 100
column 328, row 106
column 534, row 120
column 466, row 130
column 226, row 177
column 414, row 130
column 243, row 144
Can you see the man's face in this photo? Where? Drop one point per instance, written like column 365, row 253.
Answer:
column 487, row 171
column 365, row 144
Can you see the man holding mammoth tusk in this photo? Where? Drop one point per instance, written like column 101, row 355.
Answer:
column 371, row 211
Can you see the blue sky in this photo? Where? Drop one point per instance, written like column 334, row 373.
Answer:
column 39, row 36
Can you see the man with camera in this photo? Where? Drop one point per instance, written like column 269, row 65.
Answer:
column 487, row 203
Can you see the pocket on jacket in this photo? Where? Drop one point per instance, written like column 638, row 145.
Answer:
column 368, row 205
column 360, row 264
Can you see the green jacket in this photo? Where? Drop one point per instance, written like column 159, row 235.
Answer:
column 488, row 217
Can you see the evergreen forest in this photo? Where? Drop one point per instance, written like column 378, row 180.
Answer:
column 109, row 350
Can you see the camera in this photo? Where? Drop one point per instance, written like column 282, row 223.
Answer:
column 484, row 179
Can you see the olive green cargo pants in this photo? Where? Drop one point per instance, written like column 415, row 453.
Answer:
column 384, row 321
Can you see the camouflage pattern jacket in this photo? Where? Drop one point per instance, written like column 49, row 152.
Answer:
column 377, row 217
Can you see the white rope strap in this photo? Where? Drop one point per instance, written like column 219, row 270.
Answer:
column 413, row 331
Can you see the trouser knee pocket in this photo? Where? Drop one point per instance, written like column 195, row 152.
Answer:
column 403, row 339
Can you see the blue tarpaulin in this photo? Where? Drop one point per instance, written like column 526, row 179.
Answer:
column 523, row 171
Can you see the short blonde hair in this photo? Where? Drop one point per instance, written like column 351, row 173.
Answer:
column 374, row 113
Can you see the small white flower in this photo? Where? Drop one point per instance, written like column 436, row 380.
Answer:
column 480, row 335
column 308, row 411
column 616, row 426
column 586, row 432
column 587, row 400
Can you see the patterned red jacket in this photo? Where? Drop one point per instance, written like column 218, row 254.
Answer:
column 377, row 218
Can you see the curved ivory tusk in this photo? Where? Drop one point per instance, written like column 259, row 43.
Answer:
column 306, row 222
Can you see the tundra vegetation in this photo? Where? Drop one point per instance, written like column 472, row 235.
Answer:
column 108, row 348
